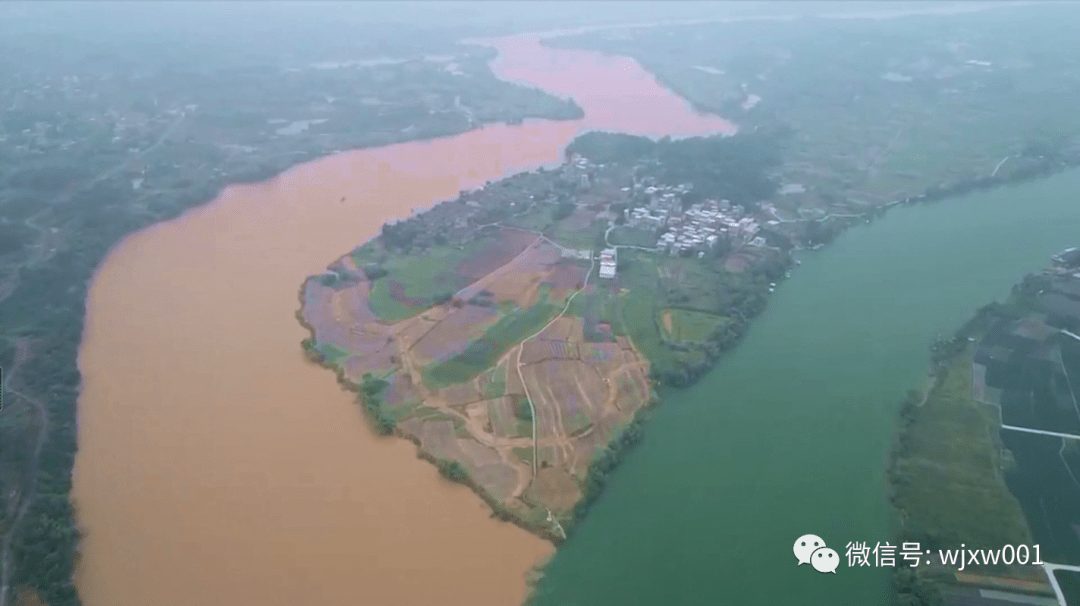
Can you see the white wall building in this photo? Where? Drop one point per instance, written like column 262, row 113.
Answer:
column 608, row 261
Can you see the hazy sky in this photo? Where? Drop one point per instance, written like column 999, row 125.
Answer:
column 304, row 15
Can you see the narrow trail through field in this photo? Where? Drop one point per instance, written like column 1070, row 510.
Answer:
column 524, row 386
column 570, row 299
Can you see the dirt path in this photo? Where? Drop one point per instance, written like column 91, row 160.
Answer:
column 553, row 418
column 504, row 447
column 613, row 391
column 585, row 393
column 548, row 415
column 22, row 355
column 570, row 299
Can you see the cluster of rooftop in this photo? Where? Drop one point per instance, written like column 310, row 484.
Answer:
column 703, row 225
column 697, row 229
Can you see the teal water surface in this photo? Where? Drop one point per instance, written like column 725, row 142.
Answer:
column 789, row 434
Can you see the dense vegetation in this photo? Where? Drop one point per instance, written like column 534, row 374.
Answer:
column 452, row 470
column 372, row 394
column 605, row 148
column 48, row 307
column 735, row 168
column 604, row 462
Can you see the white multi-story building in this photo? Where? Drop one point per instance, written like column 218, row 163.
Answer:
column 608, row 261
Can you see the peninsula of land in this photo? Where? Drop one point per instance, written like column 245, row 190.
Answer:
column 989, row 454
column 517, row 332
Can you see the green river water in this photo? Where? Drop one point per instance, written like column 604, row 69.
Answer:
column 788, row 435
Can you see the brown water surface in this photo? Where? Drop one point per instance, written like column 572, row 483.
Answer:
column 215, row 465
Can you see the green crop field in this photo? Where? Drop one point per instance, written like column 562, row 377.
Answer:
column 690, row 282
column 585, row 238
column 482, row 353
column 636, row 310
column 385, row 307
column 425, row 278
column 633, row 236
column 332, row 353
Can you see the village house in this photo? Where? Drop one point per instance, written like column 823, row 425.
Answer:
column 608, row 262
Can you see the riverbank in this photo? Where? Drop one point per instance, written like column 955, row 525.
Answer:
column 997, row 383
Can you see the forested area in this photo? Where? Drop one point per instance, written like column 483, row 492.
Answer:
column 47, row 309
column 603, row 148
column 736, row 168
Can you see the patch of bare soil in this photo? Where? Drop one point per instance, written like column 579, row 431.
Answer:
column 453, row 335
column 580, row 392
column 520, row 283
column 566, row 328
column 556, row 489
column 510, row 244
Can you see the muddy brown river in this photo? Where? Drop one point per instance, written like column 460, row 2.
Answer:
column 217, row 466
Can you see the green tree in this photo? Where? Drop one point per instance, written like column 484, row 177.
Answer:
column 452, row 470
column 564, row 210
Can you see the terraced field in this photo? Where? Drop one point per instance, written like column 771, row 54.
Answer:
column 453, row 377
